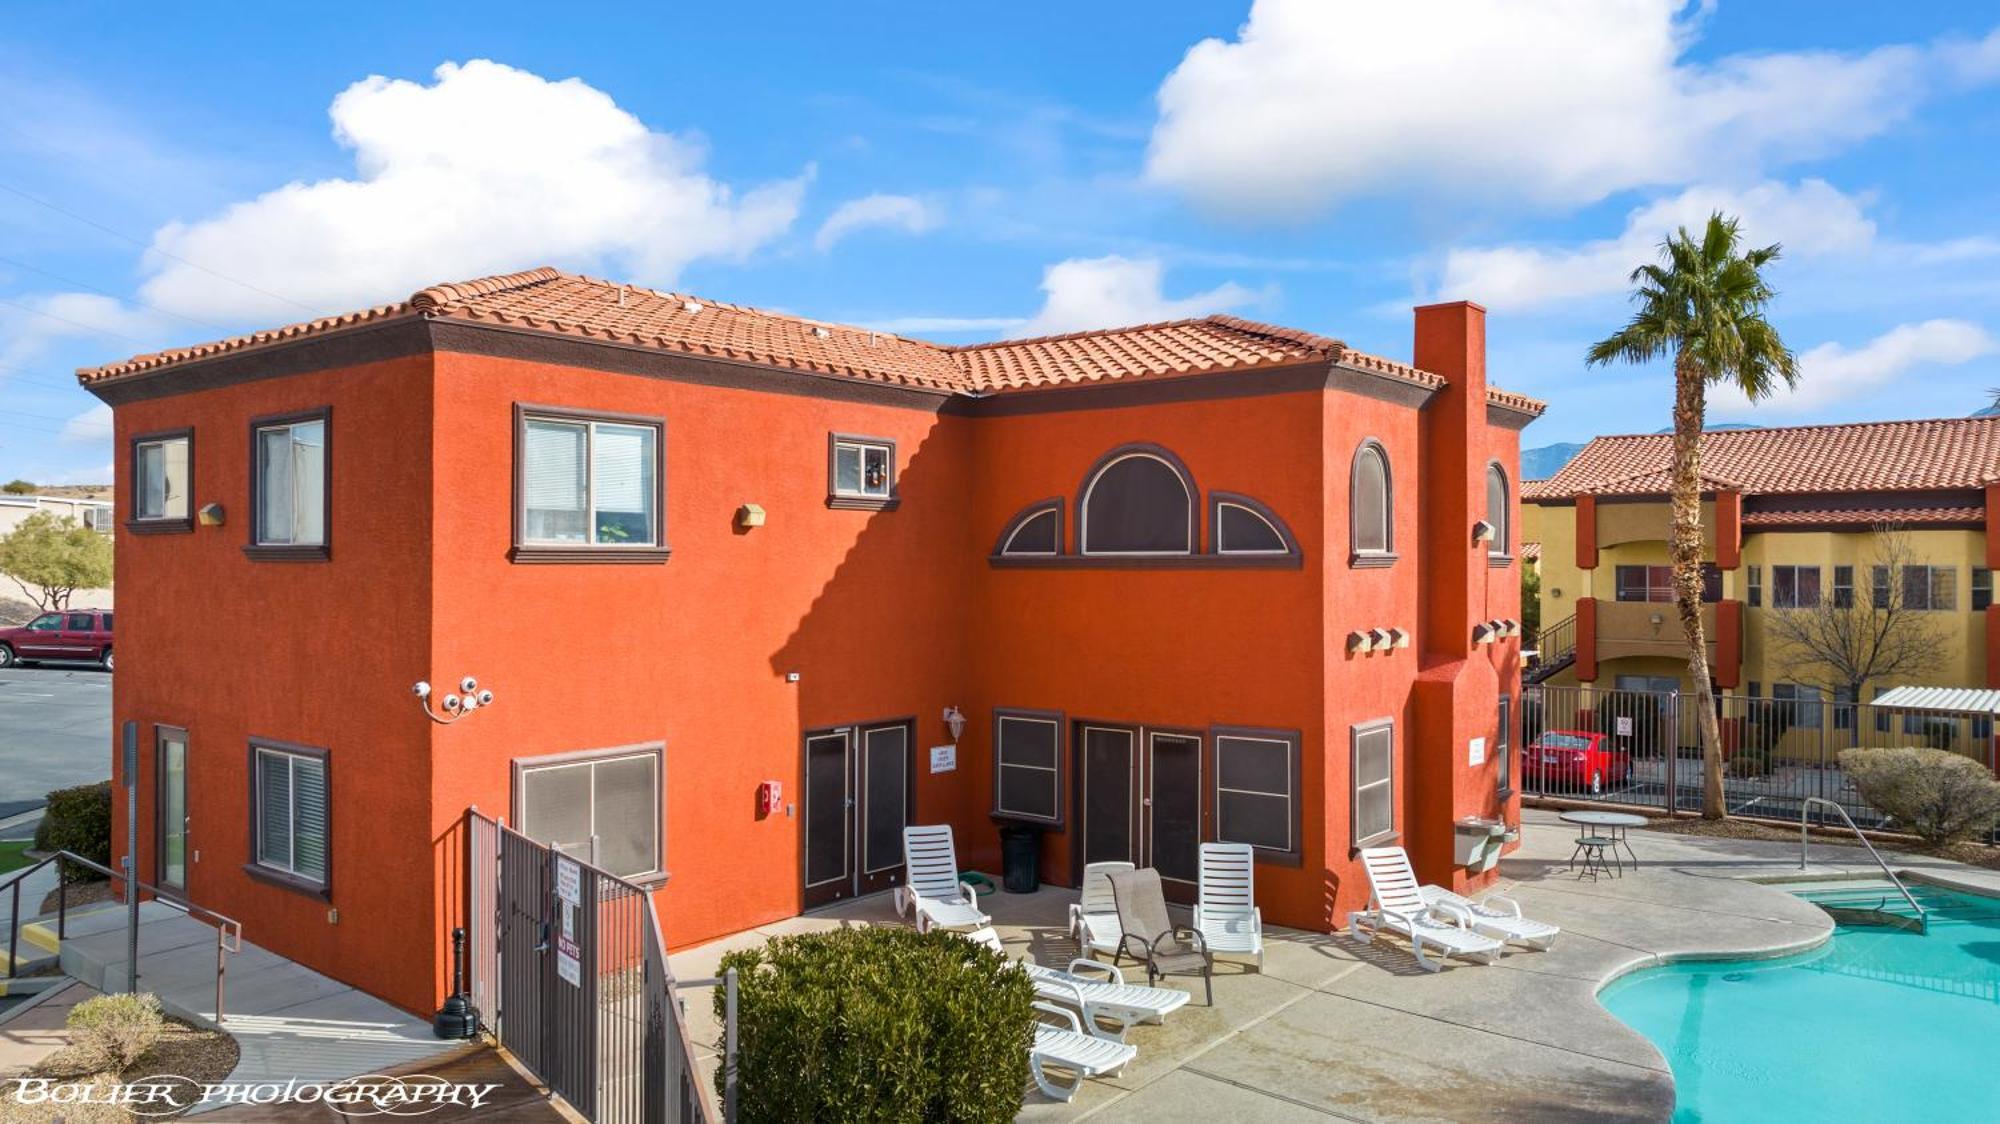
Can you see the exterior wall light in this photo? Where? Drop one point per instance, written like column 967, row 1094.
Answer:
column 210, row 515
column 1382, row 638
column 1360, row 641
column 1399, row 637
column 954, row 720
column 470, row 698
column 1482, row 634
column 1483, row 531
column 750, row 515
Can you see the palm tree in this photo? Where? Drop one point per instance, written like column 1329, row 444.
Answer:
column 1703, row 305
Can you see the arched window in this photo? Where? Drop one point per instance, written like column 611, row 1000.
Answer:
column 1372, row 507
column 1035, row 533
column 1139, row 501
column 1242, row 525
column 1497, row 507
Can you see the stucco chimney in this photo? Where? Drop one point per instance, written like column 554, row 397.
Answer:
column 1451, row 341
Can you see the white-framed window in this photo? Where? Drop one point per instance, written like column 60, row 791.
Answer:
column 290, row 821
column 603, row 808
column 1257, row 789
column 1799, row 704
column 160, row 478
column 861, row 468
column 1982, row 589
column 1371, row 505
column 1930, row 588
column 1499, row 512
column 1138, row 501
column 1027, row 766
column 1503, row 748
column 291, row 482
column 1794, row 587
column 588, row 481
column 1374, row 771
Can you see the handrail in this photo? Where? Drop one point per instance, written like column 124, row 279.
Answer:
column 1923, row 915
column 228, row 930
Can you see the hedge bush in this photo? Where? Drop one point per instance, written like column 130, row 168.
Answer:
column 78, row 820
column 879, row 1024
column 110, row 1032
column 1940, row 797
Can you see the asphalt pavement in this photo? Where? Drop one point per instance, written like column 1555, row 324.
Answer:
column 55, row 732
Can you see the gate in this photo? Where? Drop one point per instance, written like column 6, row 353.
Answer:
column 571, row 974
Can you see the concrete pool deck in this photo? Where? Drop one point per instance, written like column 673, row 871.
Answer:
column 1334, row 1028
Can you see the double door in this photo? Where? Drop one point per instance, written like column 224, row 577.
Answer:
column 859, row 794
column 1139, row 800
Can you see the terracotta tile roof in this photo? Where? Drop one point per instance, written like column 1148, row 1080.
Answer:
column 1866, row 516
column 1859, row 457
column 552, row 301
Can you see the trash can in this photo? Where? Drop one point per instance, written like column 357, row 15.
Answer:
column 1020, row 858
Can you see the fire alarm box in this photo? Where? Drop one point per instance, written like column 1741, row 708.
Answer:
column 769, row 795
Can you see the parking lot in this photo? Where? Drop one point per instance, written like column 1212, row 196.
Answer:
column 55, row 731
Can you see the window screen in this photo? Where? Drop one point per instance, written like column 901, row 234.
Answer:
column 1374, row 782
column 1138, row 504
column 291, row 814
column 1503, row 749
column 1369, row 498
column 1027, row 780
column 603, row 810
column 1037, row 533
column 1497, row 510
column 1242, row 530
column 1256, row 798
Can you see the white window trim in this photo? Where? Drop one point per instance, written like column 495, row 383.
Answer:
column 861, row 448
column 1090, row 490
column 95, row 516
column 1001, row 763
column 1291, row 797
column 1355, row 734
column 589, row 426
column 290, row 867
column 1050, row 512
column 1222, row 547
column 592, row 759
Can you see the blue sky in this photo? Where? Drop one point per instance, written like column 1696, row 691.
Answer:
column 171, row 173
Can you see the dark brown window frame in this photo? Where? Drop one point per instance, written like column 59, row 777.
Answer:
column 290, row 552
column 1358, row 558
column 1217, row 500
column 1040, row 508
column 167, row 525
column 1061, row 724
column 1213, row 783
column 272, row 875
column 530, row 552
column 1354, row 734
column 162, row 731
column 1499, row 553
column 650, row 879
column 1174, row 464
column 1503, row 781
column 848, row 501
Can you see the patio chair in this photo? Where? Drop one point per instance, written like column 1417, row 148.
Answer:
column 931, row 885
column 1152, row 938
column 1398, row 906
column 1497, row 917
column 1225, row 908
column 1100, row 1001
column 1093, row 917
column 1066, row 1044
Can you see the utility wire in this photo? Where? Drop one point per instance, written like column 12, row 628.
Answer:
column 74, row 323
column 112, row 295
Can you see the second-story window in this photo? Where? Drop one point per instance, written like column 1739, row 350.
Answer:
column 1930, row 587
column 588, row 486
column 1982, row 589
column 1794, row 587
column 1656, row 583
column 160, row 464
column 861, row 473
column 290, row 486
column 1371, row 508
column 1843, row 587
column 1755, row 579
column 1498, row 513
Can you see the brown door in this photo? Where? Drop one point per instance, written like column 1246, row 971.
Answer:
column 1172, row 811
column 828, row 802
column 885, row 785
column 1107, row 793
column 858, row 797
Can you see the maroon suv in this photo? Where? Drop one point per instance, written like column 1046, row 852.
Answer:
column 74, row 634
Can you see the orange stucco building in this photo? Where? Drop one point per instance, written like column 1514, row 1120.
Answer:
column 1201, row 580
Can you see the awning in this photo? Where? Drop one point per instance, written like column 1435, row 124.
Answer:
column 1960, row 699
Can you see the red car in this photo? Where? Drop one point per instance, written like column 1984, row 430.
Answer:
column 73, row 634
column 1576, row 761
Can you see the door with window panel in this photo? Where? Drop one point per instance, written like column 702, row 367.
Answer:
column 1139, row 800
column 170, row 810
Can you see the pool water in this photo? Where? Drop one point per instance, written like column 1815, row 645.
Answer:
column 1877, row 1024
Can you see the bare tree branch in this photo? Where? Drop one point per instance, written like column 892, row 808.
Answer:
column 1840, row 648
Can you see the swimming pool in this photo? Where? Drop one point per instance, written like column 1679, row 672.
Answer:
column 1878, row 1023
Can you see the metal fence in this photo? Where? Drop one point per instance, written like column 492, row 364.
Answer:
column 569, row 968
column 1644, row 748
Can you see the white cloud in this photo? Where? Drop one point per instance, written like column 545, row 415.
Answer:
column 897, row 212
column 1550, row 101
column 1809, row 218
column 1833, row 372
column 91, row 427
column 33, row 324
column 1085, row 293
column 484, row 170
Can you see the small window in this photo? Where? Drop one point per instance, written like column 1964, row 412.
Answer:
column 1257, row 790
column 1138, row 502
column 290, row 486
column 1798, row 704
column 1027, row 753
column 106, row 618
column 1982, row 589
column 1795, row 587
column 79, row 622
column 1843, row 587
column 1374, row 767
column 289, row 818
column 1843, row 708
column 1930, row 588
column 1503, row 749
column 1371, row 507
column 1498, row 513
column 1756, row 581
column 861, row 473
column 1034, row 533
column 603, row 809
column 1656, row 583
column 1882, row 713
column 160, row 474
column 589, row 487
column 1241, row 525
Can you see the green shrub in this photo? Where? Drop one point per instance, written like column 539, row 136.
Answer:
column 1940, row 797
column 110, row 1032
column 78, row 820
column 879, row 1024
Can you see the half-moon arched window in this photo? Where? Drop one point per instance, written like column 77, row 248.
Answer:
column 1242, row 525
column 1497, row 508
column 1035, row 533
column 1139, row 501
column 1371, row 506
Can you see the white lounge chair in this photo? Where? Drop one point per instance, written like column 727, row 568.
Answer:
column 1093, row 917
column 931, row 885
column 1398, row 906
column 1068, row 1046
column 1225, row 908
column 1109, row 1000
column 1497, row 917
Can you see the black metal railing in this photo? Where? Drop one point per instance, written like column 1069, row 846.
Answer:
column 1555, row 649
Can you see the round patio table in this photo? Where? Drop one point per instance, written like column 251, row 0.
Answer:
column 1614, row 825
